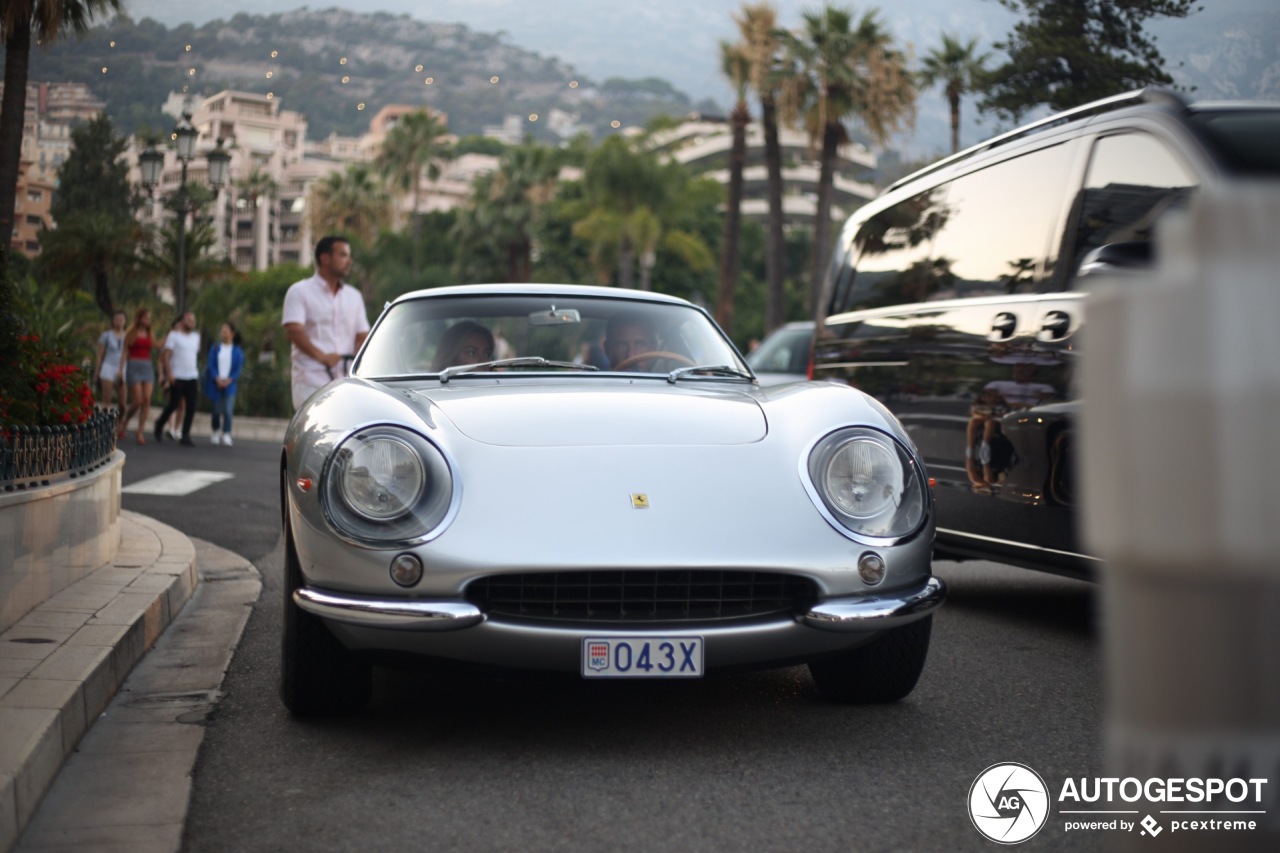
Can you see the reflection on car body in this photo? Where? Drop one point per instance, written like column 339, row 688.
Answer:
column 654, row 514
column 956, row 299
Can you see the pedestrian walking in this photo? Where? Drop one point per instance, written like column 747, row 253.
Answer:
column 325, row 320
column 180, row 372
column 110, row 364
column 179, row 415
column 140, row 374
column 221, row 371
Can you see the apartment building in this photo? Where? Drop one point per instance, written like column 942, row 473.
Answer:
column 703, row 144
column 52, row 110
column 261, row 221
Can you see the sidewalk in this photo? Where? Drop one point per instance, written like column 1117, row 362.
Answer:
column 252, row 429
column 61, row 663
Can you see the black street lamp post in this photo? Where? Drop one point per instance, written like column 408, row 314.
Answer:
column 151, row 164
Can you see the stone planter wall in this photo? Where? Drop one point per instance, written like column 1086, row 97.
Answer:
column 52, row 536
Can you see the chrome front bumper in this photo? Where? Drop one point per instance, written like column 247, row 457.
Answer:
column 852, row 614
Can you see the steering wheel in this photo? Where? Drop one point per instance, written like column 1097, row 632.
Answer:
column 655, row 355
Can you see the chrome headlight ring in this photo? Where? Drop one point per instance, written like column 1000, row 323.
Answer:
column 388, row 486
column 867, row 485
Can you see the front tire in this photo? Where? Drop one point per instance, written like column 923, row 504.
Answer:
column 319, row 677
column 884, row 670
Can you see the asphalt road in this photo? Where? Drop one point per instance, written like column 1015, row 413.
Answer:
column 755, row 761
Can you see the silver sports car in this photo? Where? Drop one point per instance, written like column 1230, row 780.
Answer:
column 591, row 480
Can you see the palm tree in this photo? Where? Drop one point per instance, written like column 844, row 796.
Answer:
column 414, row 146
column 758, row 26
column 632, row 202
column 618, row 180
column 354, row 202
column 160, row 253
column 92, row 246
column 495, row 234
column 737, row 67
column 19, row 19
column 844, row 71
column 958, row 68
column 255, row 186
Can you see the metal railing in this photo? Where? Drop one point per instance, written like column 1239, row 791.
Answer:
column 33, row 456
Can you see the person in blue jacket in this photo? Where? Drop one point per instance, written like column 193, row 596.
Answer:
column 221, row 371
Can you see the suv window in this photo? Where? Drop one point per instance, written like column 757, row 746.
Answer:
column 1000, row 226
column 892, row 251
column 1132, row 179
column 1245, row 139
column 990, row 232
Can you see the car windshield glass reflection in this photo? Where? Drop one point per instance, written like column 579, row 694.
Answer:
column 455, row 336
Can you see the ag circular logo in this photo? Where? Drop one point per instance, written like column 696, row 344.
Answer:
column 1008, row 803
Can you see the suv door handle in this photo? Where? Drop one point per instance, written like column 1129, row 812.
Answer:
column 1055, row 326
column 1003, row 326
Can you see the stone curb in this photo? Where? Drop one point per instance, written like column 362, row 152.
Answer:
column 61, row 663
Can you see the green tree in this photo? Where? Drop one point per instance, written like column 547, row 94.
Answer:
column 92, row 248
column 501, row 223
column 843, row 70
column 413, row 147
column 957, row 67
column 736, row 65
column 159, row 257
column 47, row 20
column 96, row 236
column 1065, row 53
column 354, row 202
column 255, row 188
column 761, row 39
column 95, row 175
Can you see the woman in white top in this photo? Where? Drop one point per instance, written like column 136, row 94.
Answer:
column 221, row 373
column 110, row 366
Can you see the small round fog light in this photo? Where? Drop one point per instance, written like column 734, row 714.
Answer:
column 406, row 570
column 871, row 568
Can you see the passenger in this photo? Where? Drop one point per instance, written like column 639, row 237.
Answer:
column 464, row 342
column 627, row 335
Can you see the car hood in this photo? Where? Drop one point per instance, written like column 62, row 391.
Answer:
column 520, row 415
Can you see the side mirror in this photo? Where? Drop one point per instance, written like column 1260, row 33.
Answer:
column 1132, row 255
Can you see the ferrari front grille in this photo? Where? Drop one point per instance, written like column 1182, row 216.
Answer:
column 641, row 596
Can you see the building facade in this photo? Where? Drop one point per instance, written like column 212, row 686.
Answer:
column 704, row 144
column 52, row 111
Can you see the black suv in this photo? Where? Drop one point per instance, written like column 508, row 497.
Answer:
column 955, row 299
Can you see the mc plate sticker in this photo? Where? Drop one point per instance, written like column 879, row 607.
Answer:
column 642, row 657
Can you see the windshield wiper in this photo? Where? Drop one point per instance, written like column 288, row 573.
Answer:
column 524, row 361
column 711, row 369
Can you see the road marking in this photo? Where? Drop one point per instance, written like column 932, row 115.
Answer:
column 176, row 483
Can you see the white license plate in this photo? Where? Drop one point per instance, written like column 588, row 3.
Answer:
column 642, row 657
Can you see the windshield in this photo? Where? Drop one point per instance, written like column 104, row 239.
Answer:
column 509, row 333
column 1247, row 140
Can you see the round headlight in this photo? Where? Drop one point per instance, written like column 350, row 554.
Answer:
column 382, row 478
column 867, row 484
column 863, row 478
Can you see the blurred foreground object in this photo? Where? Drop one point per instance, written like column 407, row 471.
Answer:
column 1180, row 465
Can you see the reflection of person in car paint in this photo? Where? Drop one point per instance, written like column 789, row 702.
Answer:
column 988, row 453
column 464, row 342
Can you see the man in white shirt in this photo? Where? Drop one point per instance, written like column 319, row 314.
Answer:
column 181, row 375
column 325, row 320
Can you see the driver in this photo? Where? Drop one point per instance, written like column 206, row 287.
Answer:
column 464, row 342
column 627, row 335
